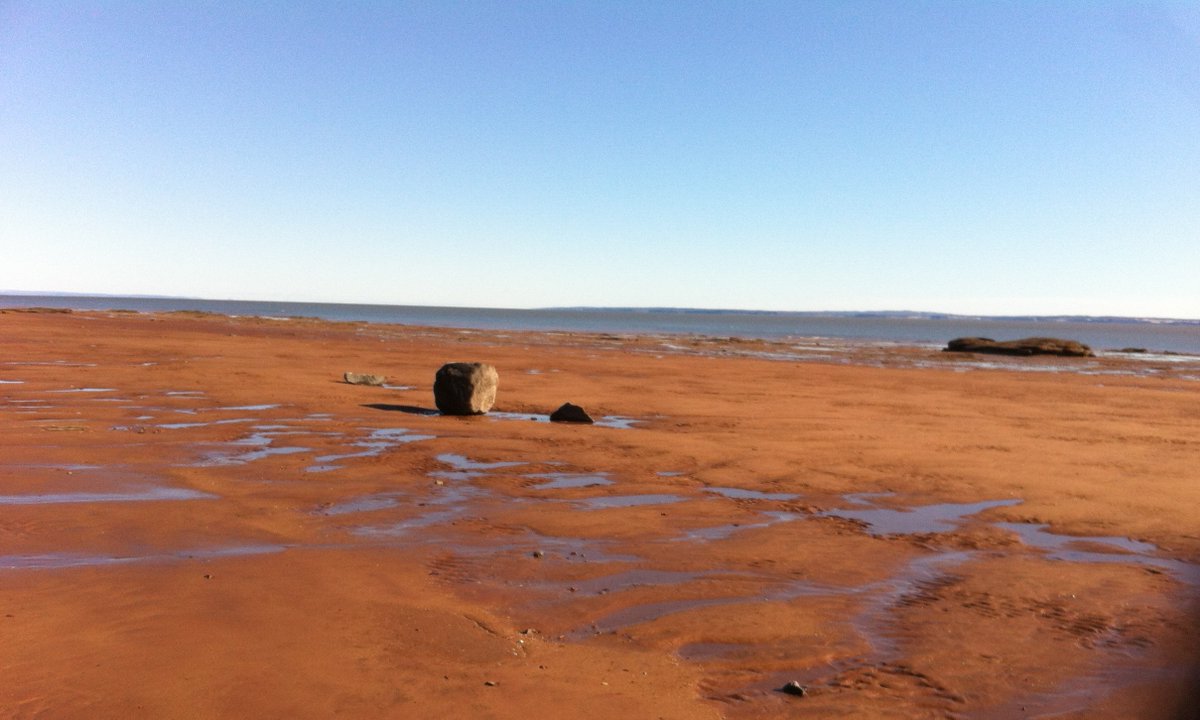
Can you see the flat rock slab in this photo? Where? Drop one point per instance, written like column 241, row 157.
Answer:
column 571, row 413
column 364, row 379
column 465, row 388
column 1025, row 346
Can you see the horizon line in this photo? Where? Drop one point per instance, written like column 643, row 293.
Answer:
column 920, row 314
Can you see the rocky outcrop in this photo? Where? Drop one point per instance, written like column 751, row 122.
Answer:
column 465, row 388
column 1026, row 346
column 571, row 413
column 363, row 379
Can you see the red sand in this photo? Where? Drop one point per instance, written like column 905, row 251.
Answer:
column 394, row 585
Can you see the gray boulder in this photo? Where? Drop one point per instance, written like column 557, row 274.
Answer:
column 465, row 388
column 571, row 413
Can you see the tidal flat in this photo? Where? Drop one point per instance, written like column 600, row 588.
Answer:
column 199, row 518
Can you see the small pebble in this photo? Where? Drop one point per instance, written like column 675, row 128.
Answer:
column 794, row 688
column 490, row 683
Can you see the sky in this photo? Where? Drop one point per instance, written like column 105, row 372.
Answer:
column 968, row 157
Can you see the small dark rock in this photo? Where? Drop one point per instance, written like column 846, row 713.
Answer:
column 363, row 379
column 538, row 554
column 571, row 413
column 490, row 683
column 794, row 688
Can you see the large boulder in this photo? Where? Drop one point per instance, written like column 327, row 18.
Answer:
column 1025, row 346
column 465, row 388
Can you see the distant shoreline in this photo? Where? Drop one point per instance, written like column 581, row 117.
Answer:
column 664, row 310
column 893, row 314
column 907, row 328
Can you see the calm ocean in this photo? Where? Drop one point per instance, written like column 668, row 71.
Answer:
column 1102, row 335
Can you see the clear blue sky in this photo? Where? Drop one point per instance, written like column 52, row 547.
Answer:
column 975, row 157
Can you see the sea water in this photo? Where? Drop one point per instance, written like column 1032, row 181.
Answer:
column 1178, row 336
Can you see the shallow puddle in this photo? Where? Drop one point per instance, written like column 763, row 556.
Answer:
column 457, row 475
column 872, row 622
column 565, row 480
column 52, row 561
column 920, row 519
column 368, row 503
column 571, row 549
column 456, row 495
column 144, row 495
column 69, row 467
column 261, row 439
column 946, row 516
column 632, row 578
column 619, row 422
column 649, row 612
column 420, row 521
column 186, row 425
column 534, row 417
column 743, row 494
column 376, row 443
column 624, row 501
column 720, row 532
column 462, row 462
column 220, row 460
column 1069, row 548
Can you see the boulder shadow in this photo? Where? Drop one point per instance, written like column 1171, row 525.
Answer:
column 410, row 409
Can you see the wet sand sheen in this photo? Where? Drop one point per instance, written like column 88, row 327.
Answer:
column 908, row 542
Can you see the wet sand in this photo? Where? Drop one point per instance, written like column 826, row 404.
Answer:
column 198, row 519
